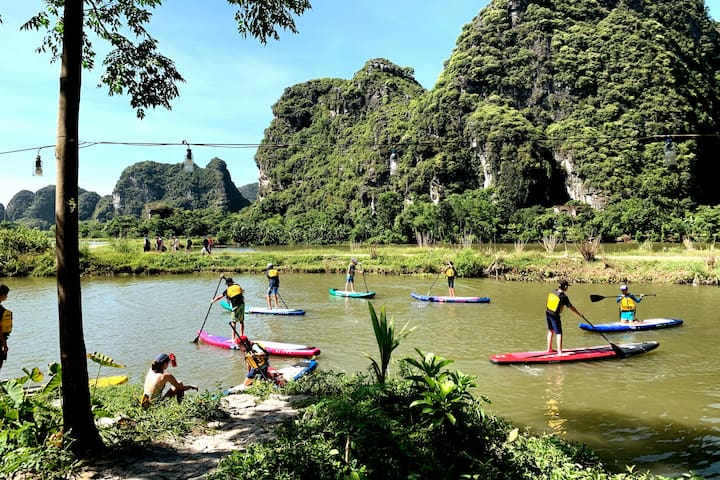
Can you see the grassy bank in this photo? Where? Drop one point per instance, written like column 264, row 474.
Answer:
column 676, row 265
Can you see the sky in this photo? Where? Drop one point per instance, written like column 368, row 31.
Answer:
column 231, row 82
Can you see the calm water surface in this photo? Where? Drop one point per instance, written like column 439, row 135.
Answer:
column 659, row 411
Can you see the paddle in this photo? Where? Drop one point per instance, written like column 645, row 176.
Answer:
column 366, row 287
column 618, row 351
column 434, row 281
column 283, row 300
column 237, row 336
column 597, row 298
column 208, row 312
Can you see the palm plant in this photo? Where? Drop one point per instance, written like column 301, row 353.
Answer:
column 387, row 341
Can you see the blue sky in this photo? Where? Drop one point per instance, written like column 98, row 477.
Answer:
column 231, row 85
column 231, row 82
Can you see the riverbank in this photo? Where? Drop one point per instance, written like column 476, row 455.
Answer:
column 641, row 265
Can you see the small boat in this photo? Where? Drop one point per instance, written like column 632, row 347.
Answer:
column 346, row 293
column 274, row 348
column 445, row 299
column 647, row 324
column 264, row 310
column 601, row 352
column 275, row 311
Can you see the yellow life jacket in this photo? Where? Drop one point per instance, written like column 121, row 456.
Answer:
column 256, row 359
column 5, row 320
column 553, row 303
column 450, row 272
column 272, row 273
column 234, row 290
column 627, row 304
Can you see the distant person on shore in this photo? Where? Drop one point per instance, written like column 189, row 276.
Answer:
column 628, row 304
column 6, row 324
column 451, row 273
column 210, row 245
column 157, row 378
column 188, row 245
column 146, row 244
column 557, row 300
column 205, row 246
column 350, row 277
column 273, row 277
column 175, row 245
column 236, row 299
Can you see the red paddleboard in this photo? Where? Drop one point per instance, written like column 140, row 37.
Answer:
column 585, row 354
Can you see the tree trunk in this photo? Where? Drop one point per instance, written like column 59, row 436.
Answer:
column 77, row 415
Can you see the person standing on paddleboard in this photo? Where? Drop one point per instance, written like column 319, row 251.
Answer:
column 234, row 295
column 273, row 277
column 350, row 278
column 450, row 272
column 6, row 319
column 628, row 304
column 557, row 300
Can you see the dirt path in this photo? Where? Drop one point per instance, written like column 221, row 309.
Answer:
column 196, row 456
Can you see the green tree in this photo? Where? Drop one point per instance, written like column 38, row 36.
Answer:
column 133, row 66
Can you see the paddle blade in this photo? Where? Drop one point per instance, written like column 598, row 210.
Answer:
column 596, row 298
column 618, row 351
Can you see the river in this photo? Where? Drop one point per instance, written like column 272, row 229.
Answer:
column 659, row 411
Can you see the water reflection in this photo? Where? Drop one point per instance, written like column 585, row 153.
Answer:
column 554, row 402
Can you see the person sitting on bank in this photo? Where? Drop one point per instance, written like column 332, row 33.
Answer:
column 157, row 378
column 628, row 304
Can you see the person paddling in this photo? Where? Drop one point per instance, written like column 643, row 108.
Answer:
column 273, row 277
column 234, row 295
column 450, row 273
column 6, row 323
column 628, row 304
column 557, row 300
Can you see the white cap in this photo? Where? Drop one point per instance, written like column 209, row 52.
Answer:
column 269, row 265
column 623, row 287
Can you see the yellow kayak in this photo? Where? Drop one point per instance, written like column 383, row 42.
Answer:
column 109, row 381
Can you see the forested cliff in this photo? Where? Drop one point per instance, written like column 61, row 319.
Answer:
column 602, row 102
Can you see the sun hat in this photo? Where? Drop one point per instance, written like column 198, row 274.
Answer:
column 623, row 287
column 563, row 283
column 229, row 281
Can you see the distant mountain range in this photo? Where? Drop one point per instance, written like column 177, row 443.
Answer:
column 142, row 188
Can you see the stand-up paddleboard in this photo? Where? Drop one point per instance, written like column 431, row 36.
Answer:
column 273, row 348
column 647, row 324
column 264, row 310
column 346, row 293
column 601, row 352
column 445, row 299
column 108, row 381
column 275, row 311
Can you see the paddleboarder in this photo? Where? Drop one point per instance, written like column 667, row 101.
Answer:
column 557, row 300
column 157, row 378
column 6, row 319
column 257, row 360
column 350, row 278
column 450, row 272
column 628, row 304
column 234, row 295
column 273, row 277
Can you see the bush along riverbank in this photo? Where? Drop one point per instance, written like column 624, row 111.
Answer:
column 582, row 263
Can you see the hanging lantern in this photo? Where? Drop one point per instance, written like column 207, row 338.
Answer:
column 38, row 166
column 188, row 164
